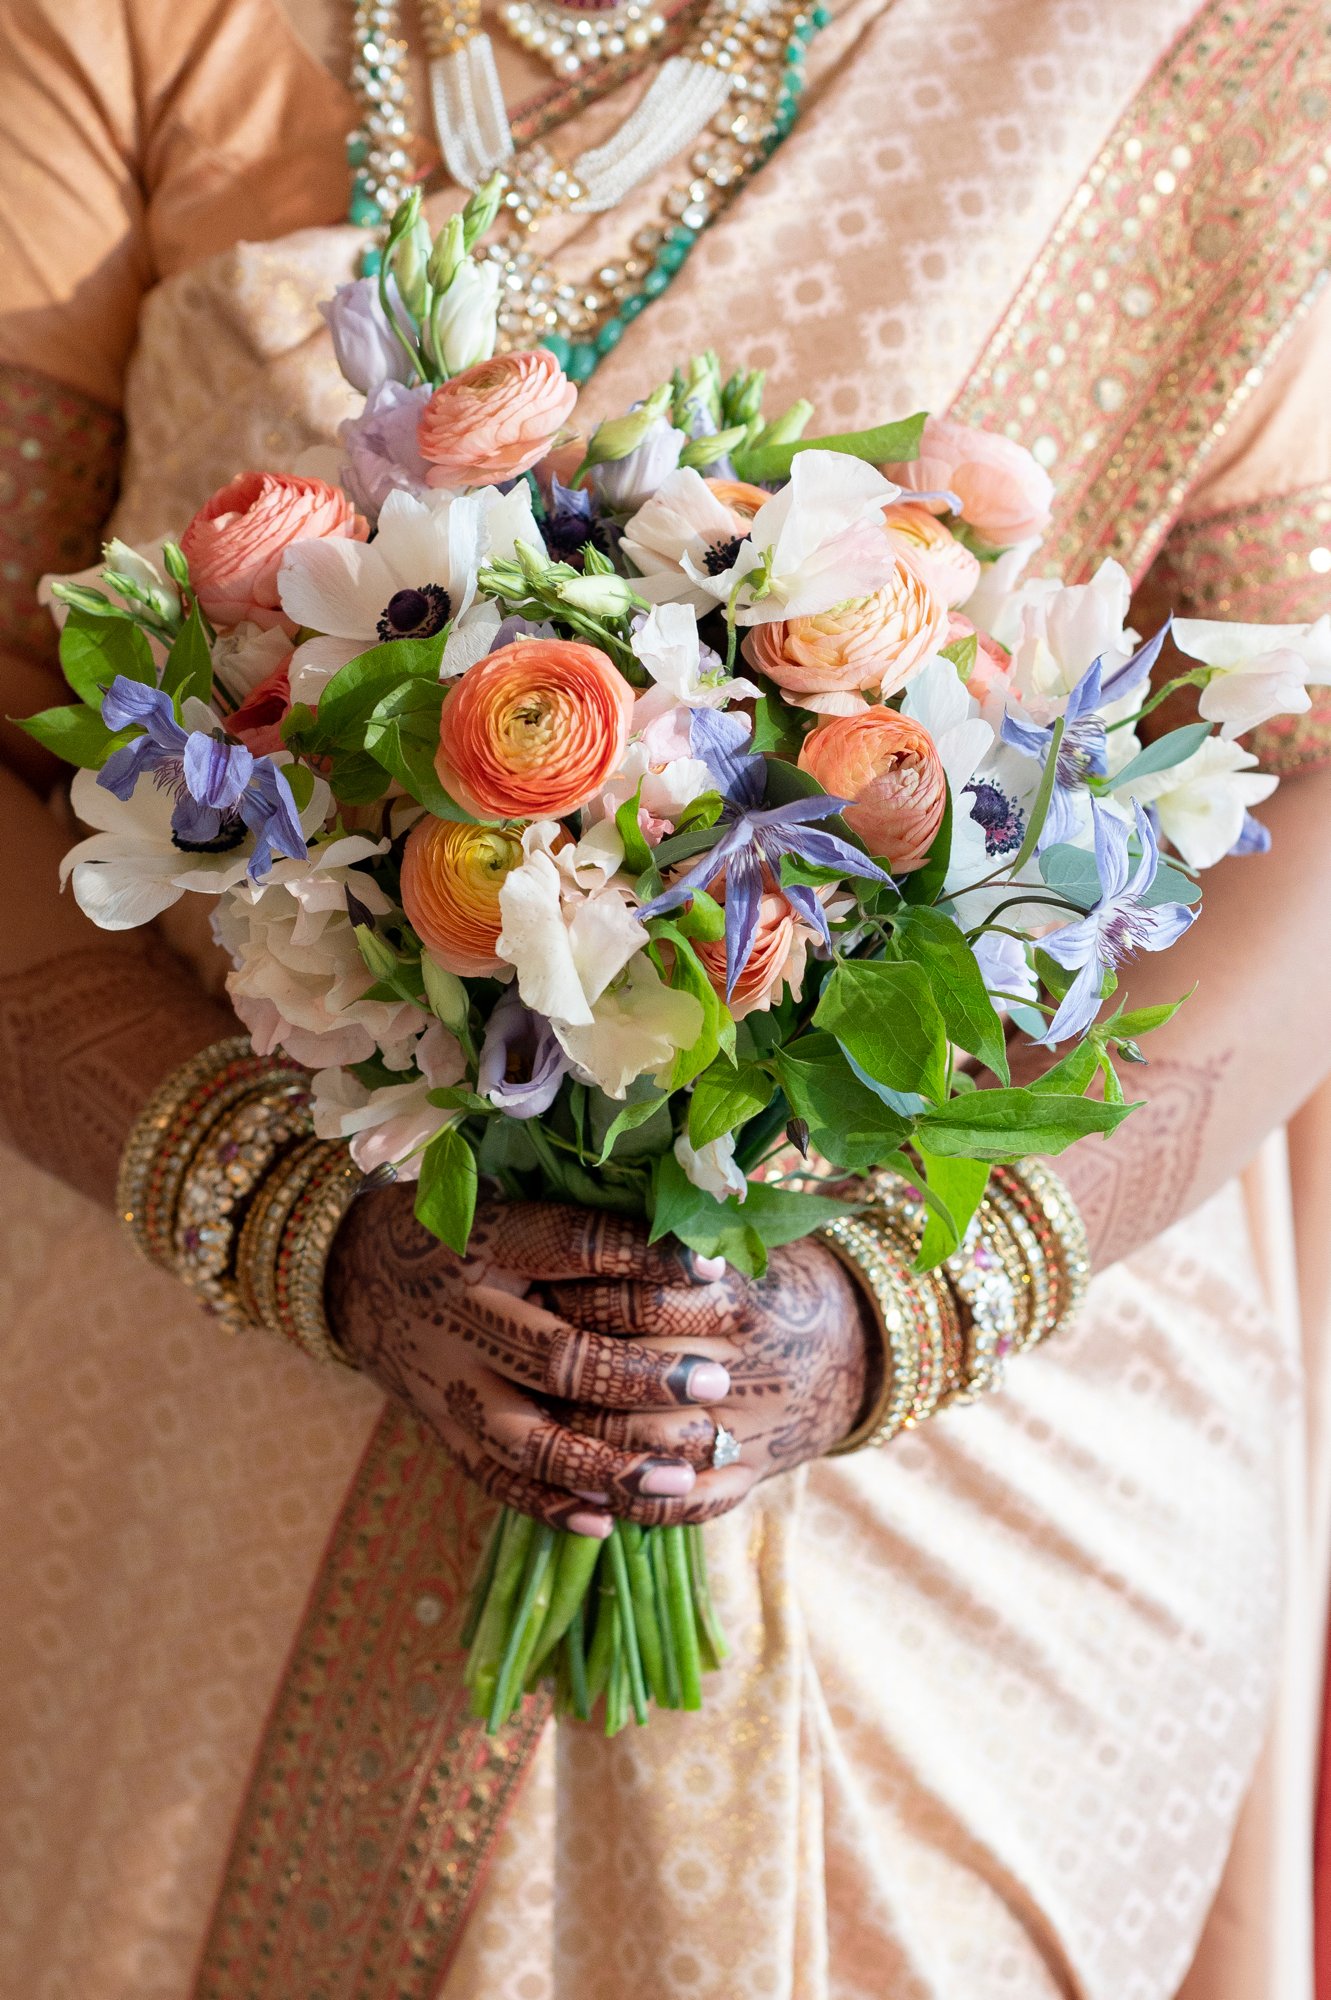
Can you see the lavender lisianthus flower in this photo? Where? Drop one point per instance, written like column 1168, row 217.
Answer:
column 382, row 452
column 1117, row 926
column 753, row 839
column 625, row 484
column 521, row 1064
column 368, row 352
column 222, row 790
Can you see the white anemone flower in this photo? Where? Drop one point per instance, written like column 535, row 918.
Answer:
column 130, row 869
column 678, row 537
column 1259, row 670
column 1203, row 803
column 712, row 1167
column 937, row 699
column 417, row 576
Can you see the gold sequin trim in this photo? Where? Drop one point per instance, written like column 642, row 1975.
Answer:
column 1184, row 260
column 376, row 1797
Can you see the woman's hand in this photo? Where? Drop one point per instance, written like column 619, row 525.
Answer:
column 607, row 1405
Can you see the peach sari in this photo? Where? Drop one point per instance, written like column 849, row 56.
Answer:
column 999, row 1693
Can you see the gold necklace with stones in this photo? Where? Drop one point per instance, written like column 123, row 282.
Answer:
column 731, row 92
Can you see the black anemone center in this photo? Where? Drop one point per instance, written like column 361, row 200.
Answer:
column 722, row 556
column 228, row 835
column 416, row 614
column 1001, row 818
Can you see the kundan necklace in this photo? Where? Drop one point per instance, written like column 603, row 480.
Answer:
column 730, row 91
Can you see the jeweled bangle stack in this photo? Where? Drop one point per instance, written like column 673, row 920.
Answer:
column 1019, row 1275
column 223, row 1183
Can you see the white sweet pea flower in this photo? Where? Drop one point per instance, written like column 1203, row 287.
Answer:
column 937, row 699
column 298, row 980
column 392, row 1125
column 1259, row 670
column 1064, row 627
column 1203, row 803
column 244, row 657
column 684, row 672
column 638, row 1026
column 818, row 542
column 417, row 576
column 683, row 523
column 995, row 604
column 712, row 1167
column 567, row 930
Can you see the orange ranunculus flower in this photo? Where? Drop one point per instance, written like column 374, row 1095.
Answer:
column 872, row 642
column 950, row 569
column 742, row 499
column 495, row 420
column 889, row 769
column 451, row 877
column 534, row 730
column 780, row 949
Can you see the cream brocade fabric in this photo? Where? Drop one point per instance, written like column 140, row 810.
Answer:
column 998, row 1691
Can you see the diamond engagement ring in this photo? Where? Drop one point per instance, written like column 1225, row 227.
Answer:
column 725, row 1448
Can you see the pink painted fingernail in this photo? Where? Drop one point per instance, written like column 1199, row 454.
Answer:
column 597, row 1499
column 709, row 1269
column 709, row 1382
column 597, row 1526
column 670, row 1482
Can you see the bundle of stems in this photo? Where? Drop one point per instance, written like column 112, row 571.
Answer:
column 627, row 1621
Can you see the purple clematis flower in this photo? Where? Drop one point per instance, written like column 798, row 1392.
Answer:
column 1084, row 750
column 753, row 839
column 1116, row 927
column 521, row 1064
column 222, row 790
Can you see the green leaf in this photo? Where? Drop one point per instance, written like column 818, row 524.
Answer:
column 718, row 1030
column 774, row 728
column 94, row 650
column 402, row 736
column 885, row 1014
column 446, row 1192
column 189, row 664
column 925, row 885
column 1113, row 1087
column 638, row 856
column 456, row 1097
column 932, row 941
column 848, row 1124
column 1074, row 1073
column 702, row 918
column 76, row 733
column 357, row 778
column 957, row 1186
column 701, row 813
column 1143, row 1020
column 354, row 692
column 742, row 1233
column 1171, row 885
column 629, row 1117
column 1005, row 1124
column 884, row 444
column 725, row 1096
column 963, row 653
column 1163, row 754
column 1071, row 872
column 1040, row 805
column 683, row 846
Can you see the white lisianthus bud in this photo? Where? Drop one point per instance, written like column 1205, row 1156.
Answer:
column 600, row 596
column 465, row 320
column 445, row 993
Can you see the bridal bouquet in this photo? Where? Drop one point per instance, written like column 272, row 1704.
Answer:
column 669, row 818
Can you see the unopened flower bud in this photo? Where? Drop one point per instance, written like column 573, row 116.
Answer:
column 464, row 322
column 599, row 596
column 789, row 427
column 742, row 397
column 482, row 209
column 619, row 436
column 701, row 452
column 379, row 956
column 446, row 257
column 446, row 995
column 409, row 265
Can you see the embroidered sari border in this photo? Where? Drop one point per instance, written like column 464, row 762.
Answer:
column 1192, row 248
column 376, row 1796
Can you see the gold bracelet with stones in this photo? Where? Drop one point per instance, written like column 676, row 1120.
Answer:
column 262, row 1230
column 301, row 1259
column 872, row 1256
column 1060, row 1232
column 1040, row 1274
column 222, row 1181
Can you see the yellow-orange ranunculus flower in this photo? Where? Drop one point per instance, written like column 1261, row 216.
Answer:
column 534, row 730
column 889, row 769
column 872, row 642
column 451, row 877
column 950, row 569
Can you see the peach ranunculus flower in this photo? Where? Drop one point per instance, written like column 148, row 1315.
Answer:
column 534, row 731
column 780, row 948
column 889, row 769
column 1005, row 496
column 235, row 544
column 742, row 499
column 494, row 421
column 872, row 642
column 950, row 569
column 451, row 877
column 257, row 723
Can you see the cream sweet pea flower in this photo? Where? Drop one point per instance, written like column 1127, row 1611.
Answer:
column 712, row 1167
column 1061, row 629
column 817, row 543
column 417, row 576
column 1259, row 670
column 684, row 672
column 638, row 1026
column 1203, row 802
column 392, row 1125
column 567, row 929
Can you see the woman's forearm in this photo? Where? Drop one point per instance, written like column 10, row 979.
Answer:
column 1249, row 1047
column 90, row 1021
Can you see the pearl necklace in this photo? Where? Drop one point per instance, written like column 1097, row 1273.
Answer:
column 740, row 72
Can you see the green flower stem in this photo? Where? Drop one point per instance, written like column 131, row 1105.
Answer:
column 628, row 1623
column 480, row 1589
column 576, row 1557
column 508, row 1683
column 643, row 1587
column 617, row 1694
column 681, row 1618
column 605, row 1639
column 655, row 1543
column 714, row 1645
column 574, row 1656
column 488, row 1646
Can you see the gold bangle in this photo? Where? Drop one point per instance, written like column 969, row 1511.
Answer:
column 863, row 1251
column 239, row 1151
column 1059, row 1226
column 302, row 1255
column 262, row 1230
column 940, row 1353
